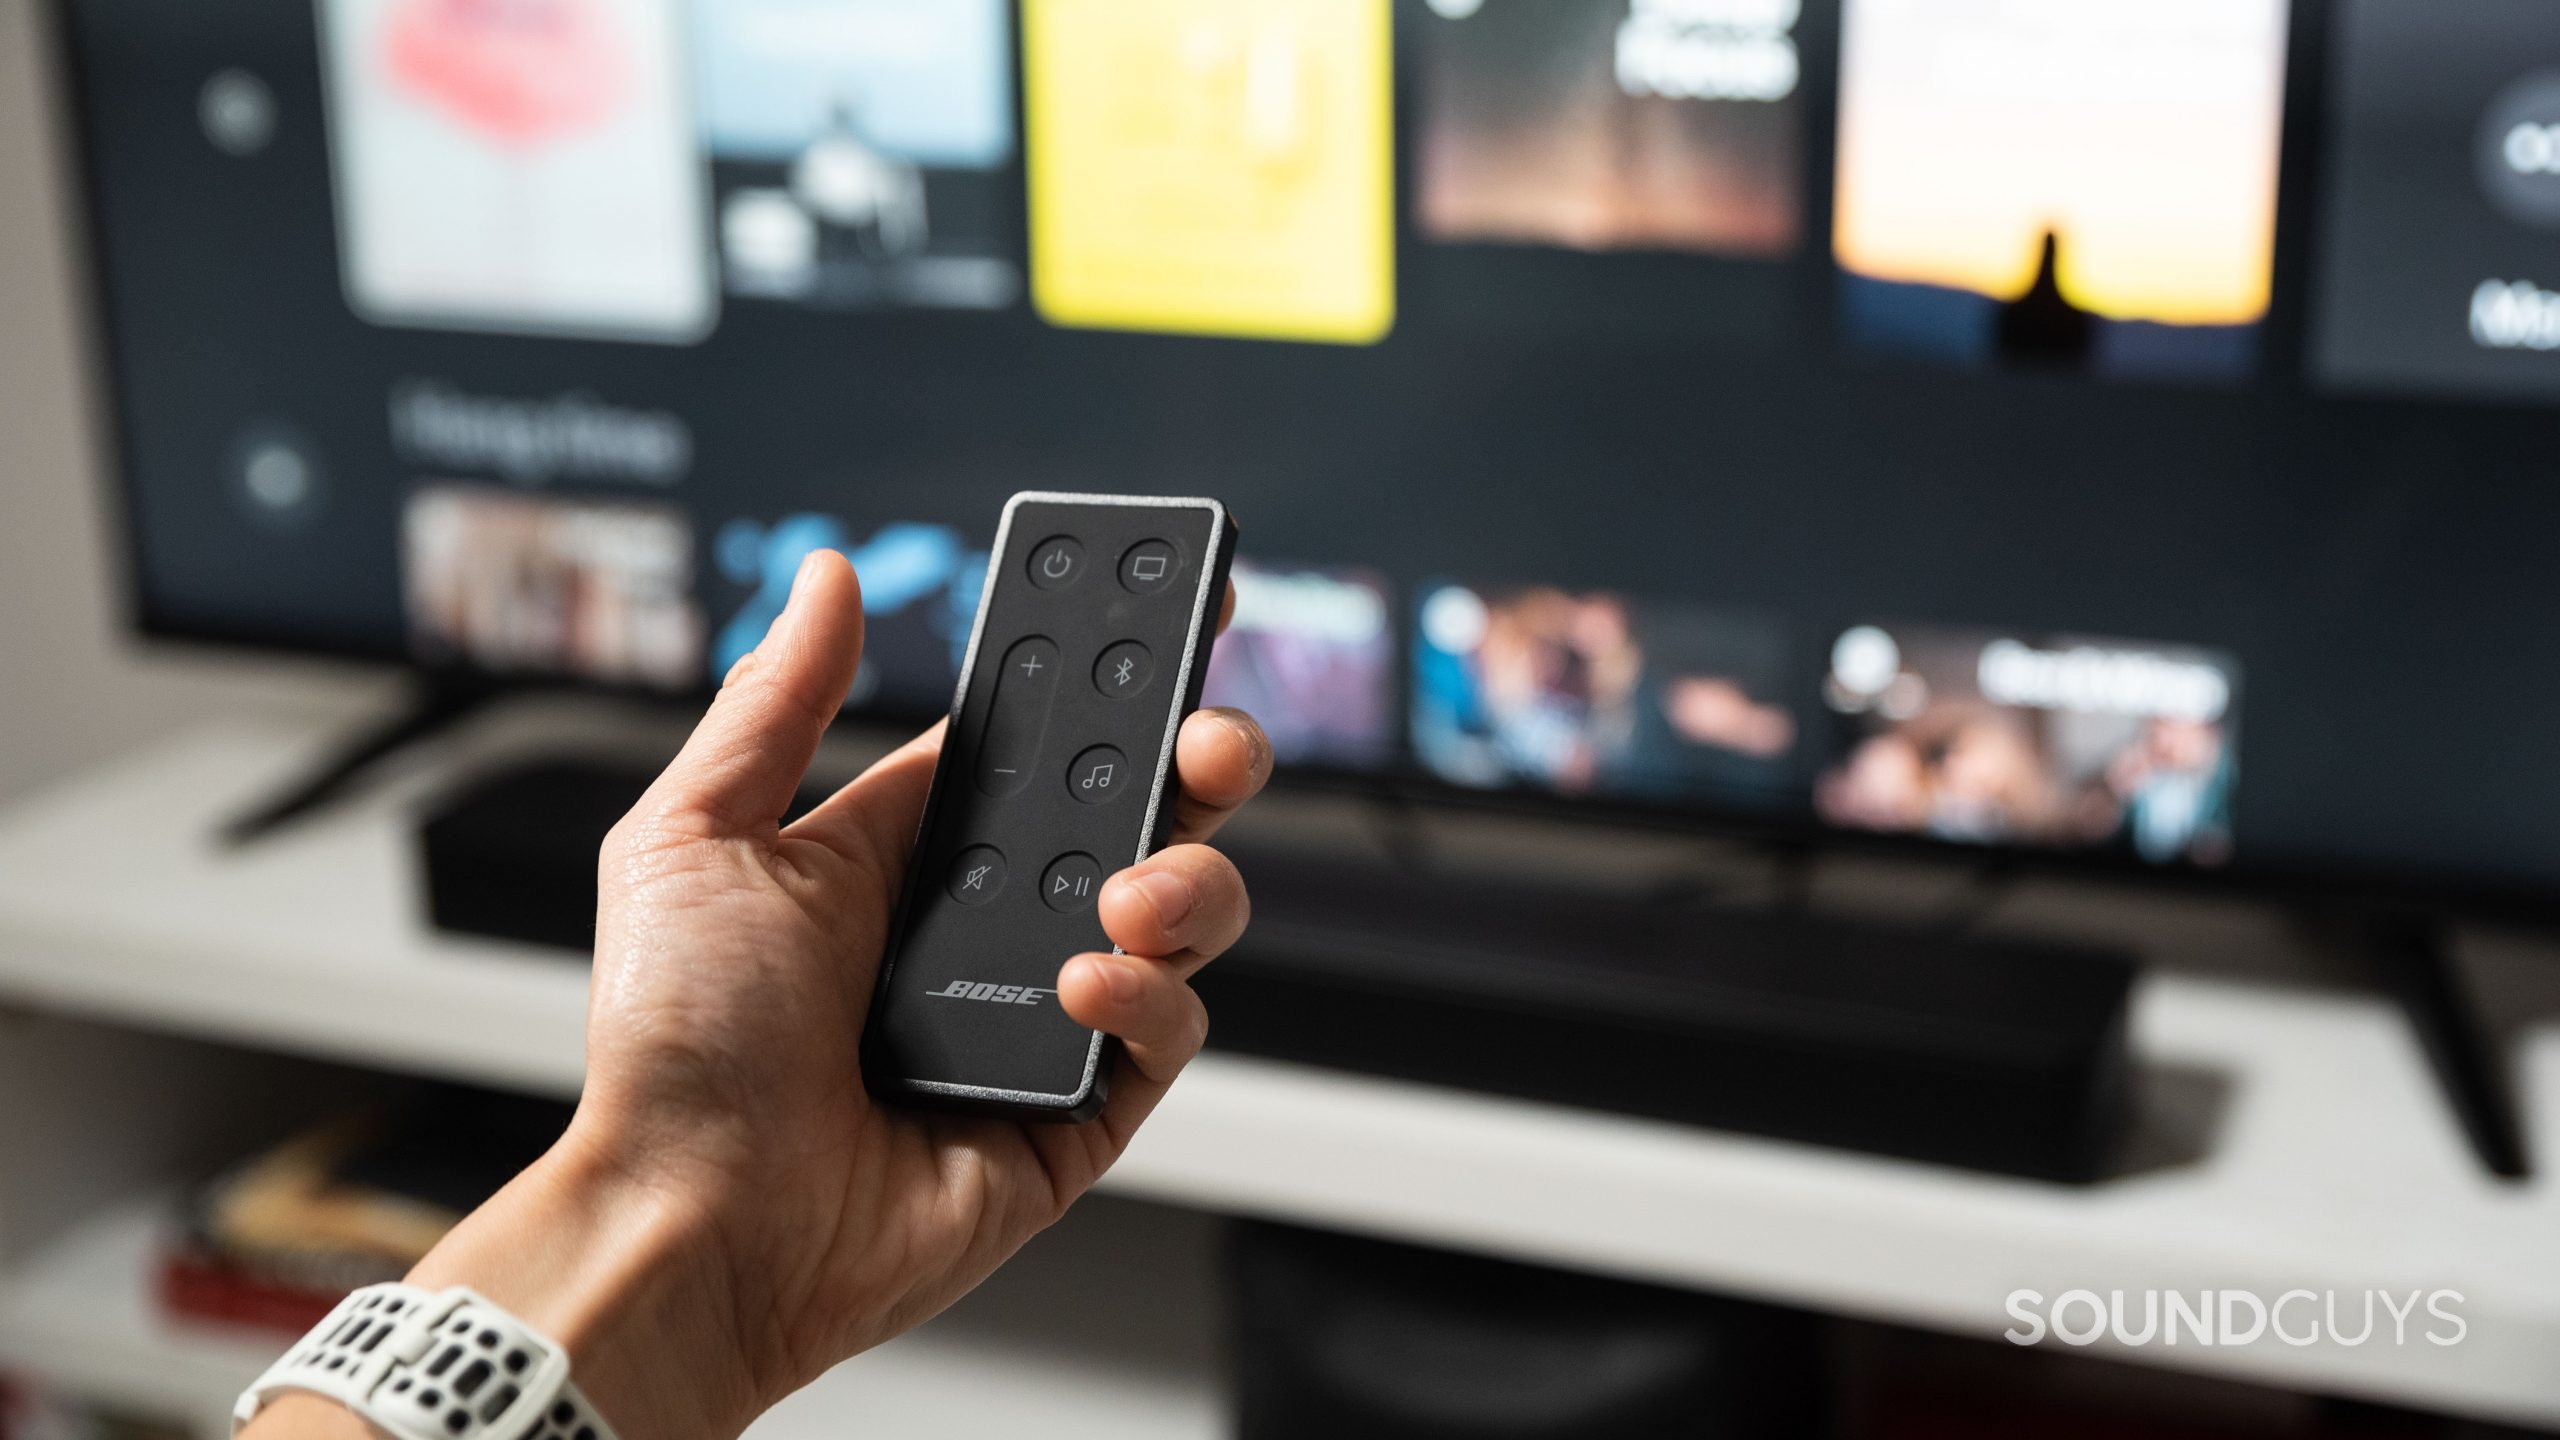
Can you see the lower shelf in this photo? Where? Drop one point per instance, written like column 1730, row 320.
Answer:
column 80, row 1317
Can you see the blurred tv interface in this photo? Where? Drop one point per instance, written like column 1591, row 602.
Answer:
column 521, row 583
column 1311, row 654
column 2089, row 185
column 1605, row 125
column 2439, row 273
column 861, row 150
column 2021, row 740
column 1591, row 693
column 920, row 589
column 1761, row 411
column 518, row 168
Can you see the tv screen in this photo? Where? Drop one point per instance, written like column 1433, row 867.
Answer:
column 2105, row 429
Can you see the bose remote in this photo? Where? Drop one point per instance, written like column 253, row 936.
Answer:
column 1090, row 646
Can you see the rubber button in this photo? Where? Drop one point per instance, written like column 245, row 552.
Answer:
column 1150, row 566
column 1018, row 716
column 1124, row 670
column 1071, row 882
column 977, row 873
column 1098, row 775
column 1056, row 562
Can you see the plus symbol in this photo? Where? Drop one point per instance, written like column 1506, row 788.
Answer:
column 1031, row 666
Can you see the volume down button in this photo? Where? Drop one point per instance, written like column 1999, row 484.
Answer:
column 1018, row 716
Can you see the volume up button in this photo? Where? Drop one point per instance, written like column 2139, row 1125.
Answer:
column 1018, row 716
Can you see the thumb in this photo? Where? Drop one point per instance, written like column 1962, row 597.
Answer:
column 737, row 773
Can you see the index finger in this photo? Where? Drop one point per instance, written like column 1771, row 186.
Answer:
column 1222, row 759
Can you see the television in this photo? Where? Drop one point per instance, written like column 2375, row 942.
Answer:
column 2111, row 434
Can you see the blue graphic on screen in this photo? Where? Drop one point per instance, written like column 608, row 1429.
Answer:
column 928, row 81
column 920, row 590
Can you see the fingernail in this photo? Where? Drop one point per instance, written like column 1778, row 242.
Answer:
column 800, row 580
column 1257, row 746
column 1118, row 980
column 1169, row 895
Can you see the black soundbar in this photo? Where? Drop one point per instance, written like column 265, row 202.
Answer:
column 1997, row 1056
column 1992, row 1055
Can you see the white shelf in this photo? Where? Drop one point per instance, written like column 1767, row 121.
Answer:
column 2318, row 1154
column 81, row 1314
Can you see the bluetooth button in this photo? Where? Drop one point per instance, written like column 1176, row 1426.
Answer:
column 1123, row 670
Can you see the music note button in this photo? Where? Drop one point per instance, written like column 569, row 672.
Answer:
column 1098, row 775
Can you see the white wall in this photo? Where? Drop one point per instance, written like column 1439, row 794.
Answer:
column 72, row 690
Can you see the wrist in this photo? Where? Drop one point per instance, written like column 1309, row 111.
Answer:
column 626, row 1277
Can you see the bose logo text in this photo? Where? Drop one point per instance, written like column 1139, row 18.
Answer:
column 993, row 994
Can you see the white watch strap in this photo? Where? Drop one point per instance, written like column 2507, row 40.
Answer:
column 424, row 1365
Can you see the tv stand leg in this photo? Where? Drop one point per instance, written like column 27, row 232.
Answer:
column 435, row 702
column 2416, row 961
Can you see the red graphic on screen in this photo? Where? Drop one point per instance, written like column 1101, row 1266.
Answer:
column 522, row 72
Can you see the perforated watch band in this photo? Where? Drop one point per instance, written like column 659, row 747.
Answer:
column 424, row 1365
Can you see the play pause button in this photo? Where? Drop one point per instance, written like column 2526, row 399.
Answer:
column 1071, row 882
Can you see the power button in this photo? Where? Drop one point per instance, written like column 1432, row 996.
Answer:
column 1056, row 563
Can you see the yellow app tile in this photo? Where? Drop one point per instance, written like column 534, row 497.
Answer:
column 1211, row 166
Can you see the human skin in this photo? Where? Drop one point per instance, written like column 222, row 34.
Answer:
column 728, row 1213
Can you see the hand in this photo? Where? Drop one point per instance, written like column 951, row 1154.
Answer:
column 729, row 1214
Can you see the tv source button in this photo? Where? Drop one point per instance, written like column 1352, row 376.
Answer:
column 1150, row 566
column 1056, row 562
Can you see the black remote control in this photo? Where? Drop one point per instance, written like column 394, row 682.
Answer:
column 1091, row 643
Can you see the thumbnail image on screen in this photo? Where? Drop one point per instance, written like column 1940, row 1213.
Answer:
column 861, row 149
column 1997, row 739
column 1611, row 124
column 920, row 590
column 2440, row 268
column 2088, row 186
column 524, row 167
column 1592, row 693
column 1310, row 653
column 1217, row 167
column 534, row 584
